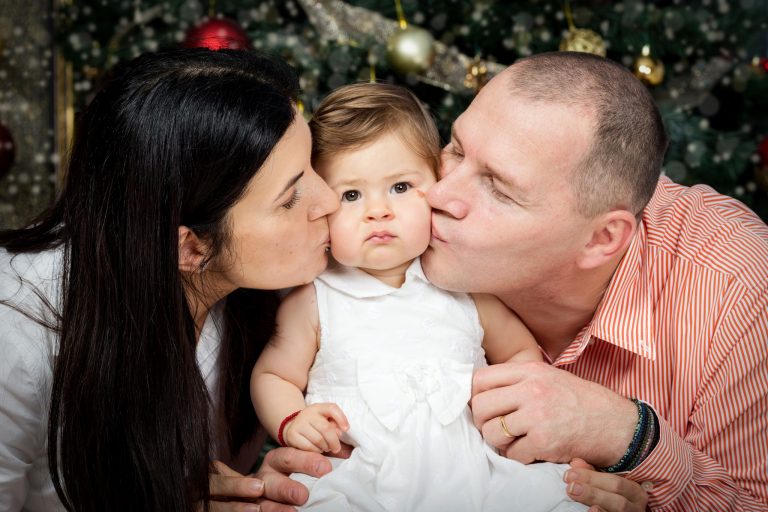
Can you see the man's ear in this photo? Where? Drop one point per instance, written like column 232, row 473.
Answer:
column 611, row 235
column 192, row 251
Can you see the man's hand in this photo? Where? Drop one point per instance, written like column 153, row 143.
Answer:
column 317, row 428
column 604, row 491
column 550, row 414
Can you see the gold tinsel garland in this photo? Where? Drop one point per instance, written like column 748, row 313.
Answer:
column 453, row 71
column 340, row 22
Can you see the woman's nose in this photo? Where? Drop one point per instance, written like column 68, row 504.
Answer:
column 327, row 201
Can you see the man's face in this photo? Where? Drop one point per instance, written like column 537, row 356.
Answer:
column 505, row 218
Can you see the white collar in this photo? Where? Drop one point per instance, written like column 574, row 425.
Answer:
column 357, row 283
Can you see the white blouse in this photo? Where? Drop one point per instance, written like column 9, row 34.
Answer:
column 26, row 360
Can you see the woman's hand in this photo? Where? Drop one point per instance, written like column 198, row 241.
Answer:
column 269, row 489
column 604, row 491
column 233, row 492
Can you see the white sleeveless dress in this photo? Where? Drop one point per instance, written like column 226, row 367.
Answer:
column 399, row 363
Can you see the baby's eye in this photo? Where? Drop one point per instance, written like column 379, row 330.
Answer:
column 401, row 187
column 350, row 195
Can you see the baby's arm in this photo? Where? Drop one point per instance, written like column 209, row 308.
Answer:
column 280, row 377
column 506, row 337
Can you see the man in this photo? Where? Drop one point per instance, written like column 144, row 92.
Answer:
column 635, row 287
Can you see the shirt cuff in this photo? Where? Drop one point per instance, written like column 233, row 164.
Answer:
column 668, row 470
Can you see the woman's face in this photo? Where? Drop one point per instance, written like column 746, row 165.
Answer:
column 279, row 230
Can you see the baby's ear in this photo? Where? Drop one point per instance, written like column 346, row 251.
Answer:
column 192, row 251
column 611, row 235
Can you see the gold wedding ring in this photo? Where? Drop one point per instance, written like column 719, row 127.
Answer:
column 504, row 427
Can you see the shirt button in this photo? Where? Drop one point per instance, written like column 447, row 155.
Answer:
column 647, row 486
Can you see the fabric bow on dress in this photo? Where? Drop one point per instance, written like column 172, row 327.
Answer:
column 391, row 389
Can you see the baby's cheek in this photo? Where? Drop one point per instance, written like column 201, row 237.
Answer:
column 421, row 193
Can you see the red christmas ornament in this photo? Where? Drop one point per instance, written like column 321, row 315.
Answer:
column 217, row 34
column 762, row 150
column 7, row 150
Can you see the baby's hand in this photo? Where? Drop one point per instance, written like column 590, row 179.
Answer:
column 317, row 428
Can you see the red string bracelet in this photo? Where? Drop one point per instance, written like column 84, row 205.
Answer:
column 283, row 423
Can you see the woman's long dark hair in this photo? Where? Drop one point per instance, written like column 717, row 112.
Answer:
column 172, row 139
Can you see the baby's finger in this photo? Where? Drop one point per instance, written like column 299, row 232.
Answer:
column 343, row 453
column 335, row 413
column 305, row 428
column 330, row 432
column 332, row 440
column 302, row 441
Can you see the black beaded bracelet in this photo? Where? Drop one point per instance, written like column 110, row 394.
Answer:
column 643, row 440
column 636, row 439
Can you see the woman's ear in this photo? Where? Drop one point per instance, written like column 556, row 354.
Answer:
column 192, row 251
column 611, row 236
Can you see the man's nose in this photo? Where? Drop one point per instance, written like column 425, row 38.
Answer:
column 449, row 195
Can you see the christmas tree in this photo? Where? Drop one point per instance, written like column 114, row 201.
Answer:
column 706, row 64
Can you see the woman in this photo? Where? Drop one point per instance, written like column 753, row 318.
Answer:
column 132, row 309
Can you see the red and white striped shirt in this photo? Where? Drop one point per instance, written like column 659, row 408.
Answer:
column 683, row 326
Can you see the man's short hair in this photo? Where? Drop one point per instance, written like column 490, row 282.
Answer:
column 356, row 115
column 622, row 166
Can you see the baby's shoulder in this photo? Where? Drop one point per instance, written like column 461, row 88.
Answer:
column 301, row 302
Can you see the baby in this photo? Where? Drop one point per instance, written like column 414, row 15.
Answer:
column 385, row 357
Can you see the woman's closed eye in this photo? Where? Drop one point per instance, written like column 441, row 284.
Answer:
column 292, row 200
column 350, row 195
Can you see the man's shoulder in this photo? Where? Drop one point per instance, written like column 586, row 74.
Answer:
column 708, row 229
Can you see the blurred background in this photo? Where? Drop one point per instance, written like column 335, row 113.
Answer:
column 705, row 62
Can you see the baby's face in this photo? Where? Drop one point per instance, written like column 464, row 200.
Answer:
column 384, row 221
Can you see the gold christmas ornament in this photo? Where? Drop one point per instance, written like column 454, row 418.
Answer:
column 411, row 50
column 477, row 75
column 581, row 39
column 649, row 70
column 337, row 21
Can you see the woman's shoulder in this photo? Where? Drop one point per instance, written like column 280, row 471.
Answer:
column 22, row 273
column 29, row 285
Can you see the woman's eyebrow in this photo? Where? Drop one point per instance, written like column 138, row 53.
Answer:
column 290, row 183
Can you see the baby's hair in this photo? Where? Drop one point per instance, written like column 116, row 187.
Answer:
column 356, row 115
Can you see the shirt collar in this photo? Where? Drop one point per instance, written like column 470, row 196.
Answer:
column 353, row 281
column 624, row 317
